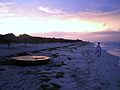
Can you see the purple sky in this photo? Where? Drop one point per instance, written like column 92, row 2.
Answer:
column 77, row 19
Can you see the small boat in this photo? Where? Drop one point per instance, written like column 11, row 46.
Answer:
column 30, row 60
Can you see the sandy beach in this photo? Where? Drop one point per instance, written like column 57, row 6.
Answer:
column 73, row 66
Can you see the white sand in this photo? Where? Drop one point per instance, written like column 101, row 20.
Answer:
column 17, row 48
column 73, row 68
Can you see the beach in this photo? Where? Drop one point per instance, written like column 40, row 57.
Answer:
column 73, row 66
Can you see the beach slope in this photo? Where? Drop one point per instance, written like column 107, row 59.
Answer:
column 73, row 66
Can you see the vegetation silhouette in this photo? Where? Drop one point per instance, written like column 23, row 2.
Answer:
column 27, row 39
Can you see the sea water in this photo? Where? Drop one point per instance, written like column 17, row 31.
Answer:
column 111, row 47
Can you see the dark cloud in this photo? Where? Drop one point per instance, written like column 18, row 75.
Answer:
column 87, row 36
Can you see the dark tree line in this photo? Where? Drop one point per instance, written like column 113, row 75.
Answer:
column 24, row 38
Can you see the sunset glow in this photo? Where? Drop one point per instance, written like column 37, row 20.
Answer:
column 39, row 16
column 28, row 25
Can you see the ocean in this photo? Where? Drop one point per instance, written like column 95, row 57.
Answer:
column 111, row 47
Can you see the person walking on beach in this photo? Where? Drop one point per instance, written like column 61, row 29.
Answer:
column 98, row 50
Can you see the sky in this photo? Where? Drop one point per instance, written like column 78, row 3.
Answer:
column 91, row 20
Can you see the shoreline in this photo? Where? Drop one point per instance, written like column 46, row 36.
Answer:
column 111, row 47
column 113, row 53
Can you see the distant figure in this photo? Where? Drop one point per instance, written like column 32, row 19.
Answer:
column 98, row 50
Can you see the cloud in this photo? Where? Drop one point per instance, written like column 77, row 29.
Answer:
column 7, row 15
column 105, row 36
column 6, row 8
column 91, row 13
column 6, row 5
column 107, row 32
column 112, row 12
column 108, row 20
column 49, row 10
column 87, row 36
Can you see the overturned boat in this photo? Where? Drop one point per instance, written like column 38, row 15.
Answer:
column 30, row 60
